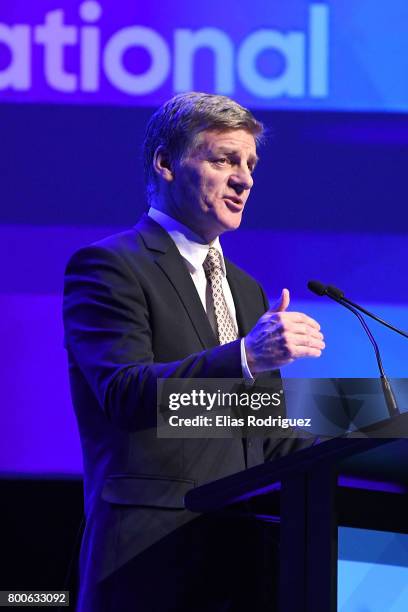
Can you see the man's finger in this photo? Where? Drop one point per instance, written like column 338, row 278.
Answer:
column 282, row 303
column 300, row 317
column 301, row 340
column 306, row 330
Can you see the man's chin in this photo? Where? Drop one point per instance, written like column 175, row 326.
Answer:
column 224, row 223
column 232, row 221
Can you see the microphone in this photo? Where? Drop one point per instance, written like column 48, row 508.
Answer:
column 338, row 296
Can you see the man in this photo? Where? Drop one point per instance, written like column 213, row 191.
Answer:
column 161, row 301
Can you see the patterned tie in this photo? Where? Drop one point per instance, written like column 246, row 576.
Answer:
column 213, row 271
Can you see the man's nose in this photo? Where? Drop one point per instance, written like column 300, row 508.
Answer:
column 241, row 179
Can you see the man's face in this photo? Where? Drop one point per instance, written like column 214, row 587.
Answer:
column 211, row 184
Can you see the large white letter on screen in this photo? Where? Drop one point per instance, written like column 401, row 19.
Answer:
column 188, row 42
column 90, row 43
column 137, row 36
column 318, row 51
column 55, row 35
column 292, row 48
column 18, row 73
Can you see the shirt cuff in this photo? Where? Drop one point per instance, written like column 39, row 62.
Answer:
column 246, row 372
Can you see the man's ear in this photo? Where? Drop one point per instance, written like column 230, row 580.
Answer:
column 162, row 164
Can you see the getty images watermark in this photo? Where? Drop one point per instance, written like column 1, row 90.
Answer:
column 228, row 408
column 222, row 408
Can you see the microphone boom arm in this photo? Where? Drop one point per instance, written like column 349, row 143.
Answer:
column 337, row 295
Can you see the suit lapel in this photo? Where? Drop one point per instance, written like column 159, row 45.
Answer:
column 243, row 300
column 176, row 270
column 172, row 265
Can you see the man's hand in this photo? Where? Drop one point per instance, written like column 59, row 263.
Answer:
column 280, row 337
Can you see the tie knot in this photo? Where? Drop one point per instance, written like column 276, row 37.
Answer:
column 213, row 262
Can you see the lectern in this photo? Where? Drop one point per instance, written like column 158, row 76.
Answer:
column 308, row 509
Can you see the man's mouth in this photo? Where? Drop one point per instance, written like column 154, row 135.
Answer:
column 234, row 204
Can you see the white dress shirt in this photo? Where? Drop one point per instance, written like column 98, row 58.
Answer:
column 194, row 251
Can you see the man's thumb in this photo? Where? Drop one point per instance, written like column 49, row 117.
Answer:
column 282, row 303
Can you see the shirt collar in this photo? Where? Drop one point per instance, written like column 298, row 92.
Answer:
column 189, row 244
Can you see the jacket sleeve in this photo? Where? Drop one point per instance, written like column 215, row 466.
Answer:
column 109, row 338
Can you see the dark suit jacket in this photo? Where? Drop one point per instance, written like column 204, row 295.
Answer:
column 132, row 314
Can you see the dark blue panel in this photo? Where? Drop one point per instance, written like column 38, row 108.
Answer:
column 71, row 165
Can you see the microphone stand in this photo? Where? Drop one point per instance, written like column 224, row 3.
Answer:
column 389, row 396
column 338, row 296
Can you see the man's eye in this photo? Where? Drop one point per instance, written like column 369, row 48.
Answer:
column 221, row 160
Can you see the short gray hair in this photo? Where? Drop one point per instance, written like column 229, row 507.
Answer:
column 177, row 122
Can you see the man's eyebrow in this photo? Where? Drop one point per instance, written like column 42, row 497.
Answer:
column 254, row 159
